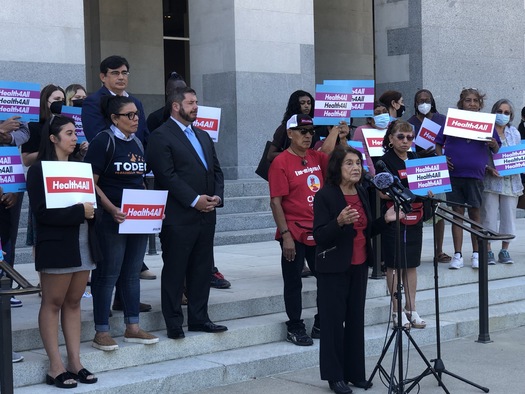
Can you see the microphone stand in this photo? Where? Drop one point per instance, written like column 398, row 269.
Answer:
column 397, row 386
column 483, row 236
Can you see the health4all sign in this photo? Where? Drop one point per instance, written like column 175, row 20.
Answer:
column 144, row 211
column 68, row 183
column 209, row 120
column 469, row 125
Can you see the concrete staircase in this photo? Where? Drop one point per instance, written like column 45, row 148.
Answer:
column 245, row 217
column 253, row 310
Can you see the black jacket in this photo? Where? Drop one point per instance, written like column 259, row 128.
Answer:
column 334, row 243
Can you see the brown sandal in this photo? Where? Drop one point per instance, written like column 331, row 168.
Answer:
column 444, row 258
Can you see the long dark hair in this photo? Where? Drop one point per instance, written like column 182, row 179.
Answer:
column 294, row 108
column 45, row 94
column 333, row 171
column 53, row 126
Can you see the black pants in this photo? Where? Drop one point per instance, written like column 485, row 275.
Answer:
column 293, row 284
column 187, row 253
column 342, row 310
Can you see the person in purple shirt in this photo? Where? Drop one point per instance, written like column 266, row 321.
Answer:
column 467, row 160
column 425, row 107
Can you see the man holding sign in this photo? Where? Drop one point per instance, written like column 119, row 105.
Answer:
column 467, row 157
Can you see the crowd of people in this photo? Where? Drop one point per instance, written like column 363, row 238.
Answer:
column 324, row 213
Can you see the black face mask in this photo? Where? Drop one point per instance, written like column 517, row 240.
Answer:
column 400, row 111
column 56, row 107
column 78, row 102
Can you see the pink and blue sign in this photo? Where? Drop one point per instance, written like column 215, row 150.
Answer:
column 12, row 179
column 332, row 104
column 510, row 160
column 362, row 96
column 358, row 145
column 428, row 174
column 20, row 99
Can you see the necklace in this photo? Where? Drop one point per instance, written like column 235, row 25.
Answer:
column 304, row 162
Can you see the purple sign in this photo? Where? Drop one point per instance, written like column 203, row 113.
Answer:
column 12, row 177
column 20, row 99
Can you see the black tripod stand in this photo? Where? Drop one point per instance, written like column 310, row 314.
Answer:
column 398, row 386
column 483, row 235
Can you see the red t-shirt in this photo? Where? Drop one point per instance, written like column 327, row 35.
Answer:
column 297, row 184
column 359, row 251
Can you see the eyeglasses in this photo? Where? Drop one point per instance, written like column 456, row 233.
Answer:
column 304, row 131
column 130, row 115
column 499, row 111
column 401, row 137
column 116, row 73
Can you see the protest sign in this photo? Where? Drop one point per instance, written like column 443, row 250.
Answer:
column 20, row 99
column 75, row 113
column 510, row 160
column 332, row 104
column 374, row 141
column 428, row 174
column 209, row 119
column 144, row 211
column 469, row 125
column 426, row 135
column 358, row 145
column 362, row 96
column 12, row 179
column 68, row 183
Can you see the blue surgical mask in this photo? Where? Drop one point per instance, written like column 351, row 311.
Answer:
column 502, row 119
column 382, row 120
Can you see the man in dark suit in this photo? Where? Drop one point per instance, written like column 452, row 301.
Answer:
column 184, row 162
column 114, row 73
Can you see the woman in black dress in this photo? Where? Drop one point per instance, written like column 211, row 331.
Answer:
column 396, row 145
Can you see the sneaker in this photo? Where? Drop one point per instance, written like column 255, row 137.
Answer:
column 299, row 338
column 104, row 342
column 316, row 332
column 15, row 302
column 17, row 357
column 140, row 336
column 475, row 260
column 490, row 258
column 218, row 281
column 503, row 257
column 457, row 262
column 87, row 294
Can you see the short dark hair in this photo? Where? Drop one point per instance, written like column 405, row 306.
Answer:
column 178, row 95
column 111, row 105
column 52, row 126
column 394, row 127
column 333, row 171
column 175, row 81
column 113, row 62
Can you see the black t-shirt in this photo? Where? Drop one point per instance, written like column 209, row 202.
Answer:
column 125, row 170
column 35, row 135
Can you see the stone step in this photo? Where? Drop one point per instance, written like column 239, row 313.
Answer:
column 245, row 221
column 246, row 187
column 250, row 204
column 203, row 361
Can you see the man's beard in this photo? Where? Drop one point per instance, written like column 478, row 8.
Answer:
column 186, row 116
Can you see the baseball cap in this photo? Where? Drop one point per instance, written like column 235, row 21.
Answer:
column 298, row 121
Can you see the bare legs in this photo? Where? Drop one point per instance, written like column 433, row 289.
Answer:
column 61, row 295
column 457, row 232
column 409, row 280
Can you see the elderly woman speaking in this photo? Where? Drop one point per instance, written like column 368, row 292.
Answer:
column 343, row 228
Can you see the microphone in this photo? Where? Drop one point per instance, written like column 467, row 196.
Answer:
column 383, row 180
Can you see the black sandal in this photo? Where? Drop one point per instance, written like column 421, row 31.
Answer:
column 59, row 380
column 82, row 376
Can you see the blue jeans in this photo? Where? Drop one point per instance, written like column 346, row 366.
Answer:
column 122, row 260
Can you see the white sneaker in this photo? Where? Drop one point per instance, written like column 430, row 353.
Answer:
column 457, row 262
column 475, row 260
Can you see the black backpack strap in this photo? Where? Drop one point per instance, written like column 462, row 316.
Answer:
column 110, row 151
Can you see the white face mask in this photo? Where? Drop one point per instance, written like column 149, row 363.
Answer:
column 424, row 108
